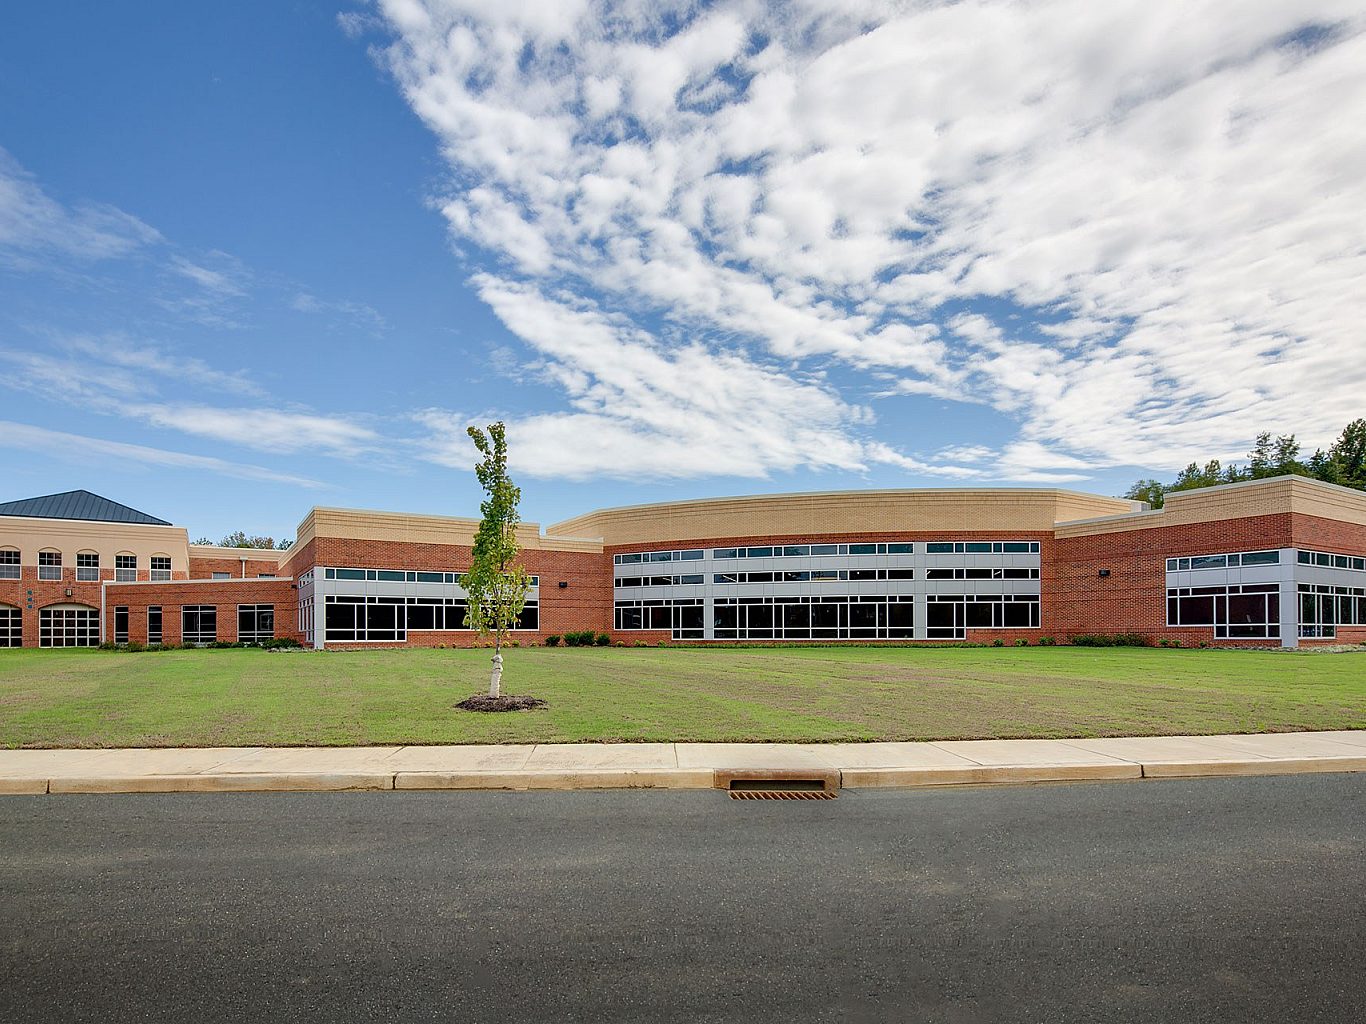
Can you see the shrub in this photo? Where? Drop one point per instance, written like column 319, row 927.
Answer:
column 579, row 638
column 1022, row 642
column 620, row 643
column 602, row 640
column 553, row 640
column 998, row 642
column 1046, row 641
column 133, row 647
column 280, row 642
column 1110, row 640
column 640, row 643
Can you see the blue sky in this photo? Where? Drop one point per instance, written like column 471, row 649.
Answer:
column 262, row 256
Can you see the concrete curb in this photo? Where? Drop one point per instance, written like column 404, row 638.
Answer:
column 672, row 778
column 606, row 778
column 246, row 783
column 1253, row 766
column 891, row 778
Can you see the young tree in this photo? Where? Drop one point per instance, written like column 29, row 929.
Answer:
column 496, row 584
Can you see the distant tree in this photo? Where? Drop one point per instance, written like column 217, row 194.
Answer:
column 1343, row 464
column 203, row 541
column 1348, row 455
column 241, row 540
column 496, row 584
column 1151, row 491
column 285, row 544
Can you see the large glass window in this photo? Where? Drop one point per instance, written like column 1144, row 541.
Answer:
column 125, row 568
column 161, row 567
column 1249, row 612
column 199, row 624
column 814, row 618
column 87, row 567
column 1323, row 608
column 49, row 565
column 255, row 622
column 11, row 626
column 154, row 624
column 9, row 564
column 68, row 626
column 121, row 624
column 949, row 616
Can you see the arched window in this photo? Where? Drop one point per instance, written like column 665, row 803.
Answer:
column 125, row 567
column 87, row 566
column 68, row 625
column 9, row 563
column 49, row 565
column 11, row 626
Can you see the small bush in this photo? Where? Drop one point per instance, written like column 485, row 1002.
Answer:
column 602, row 640
column 998, row 642
column 640, row 643
column 620, row 643
column 553, row 640
column 133, row 647
column 579, row 638
column 1046, row 641
column 1022, row 642
column 280, row 642
column 1110, row 640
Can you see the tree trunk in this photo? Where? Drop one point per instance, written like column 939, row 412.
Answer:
column 496, row 679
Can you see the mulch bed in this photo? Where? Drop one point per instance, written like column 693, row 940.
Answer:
column 507, row 702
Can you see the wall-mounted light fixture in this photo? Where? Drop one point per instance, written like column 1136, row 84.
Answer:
column 563, row 584
column 1104, row 573
column 68, row 591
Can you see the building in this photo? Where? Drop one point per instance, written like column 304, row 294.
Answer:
column 1270, row 562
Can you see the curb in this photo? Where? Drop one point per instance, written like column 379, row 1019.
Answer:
column 670, row 778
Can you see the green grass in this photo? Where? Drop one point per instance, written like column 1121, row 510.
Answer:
column 247, row 697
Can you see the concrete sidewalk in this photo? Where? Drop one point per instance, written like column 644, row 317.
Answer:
column 671, row 765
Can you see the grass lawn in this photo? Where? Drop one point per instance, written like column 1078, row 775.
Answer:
column 245, row 697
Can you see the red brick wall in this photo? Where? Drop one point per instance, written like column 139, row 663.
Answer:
column 225, row 596
column 46, row 592
column 1134, row 596
column 204, row 568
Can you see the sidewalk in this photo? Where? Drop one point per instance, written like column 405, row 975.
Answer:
column 671, row 765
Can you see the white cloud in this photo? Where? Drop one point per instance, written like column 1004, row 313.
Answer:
column 270, row 430
column 357, row 314
column 1131, row 227
column 35, row 228
column 641, row 409
column 81, row 449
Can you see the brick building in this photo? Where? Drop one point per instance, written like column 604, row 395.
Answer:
column 1268, row 562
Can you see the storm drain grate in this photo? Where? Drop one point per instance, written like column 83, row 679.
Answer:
column 781, row 789
column 781, row 794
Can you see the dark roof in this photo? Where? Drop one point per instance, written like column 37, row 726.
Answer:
column 78, row 505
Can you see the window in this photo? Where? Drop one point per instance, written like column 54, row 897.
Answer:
column 1355, row 562
column 68, row 626
column 220, row 576
column 814, row 618
column 198, row 624
column 255, row 622
column 161, row 567
column 125, row 568
column 1324, row 608
column 11, row 626
column 121, row 625
column 1252, row 611
column 87, row 567
column 9, row 564
column 684, row 619
column 265, row 575
column 49, row 565
column 154, row 624
column 950, row 616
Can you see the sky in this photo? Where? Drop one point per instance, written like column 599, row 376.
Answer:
column 261, row 256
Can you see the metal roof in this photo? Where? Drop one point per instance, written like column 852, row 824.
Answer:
column 78, row 505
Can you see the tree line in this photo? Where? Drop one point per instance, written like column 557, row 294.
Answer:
column 1344, row 463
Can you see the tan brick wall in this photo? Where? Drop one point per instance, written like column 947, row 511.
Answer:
column 688, row 523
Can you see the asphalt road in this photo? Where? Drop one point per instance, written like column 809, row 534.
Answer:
column 1202, row 900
